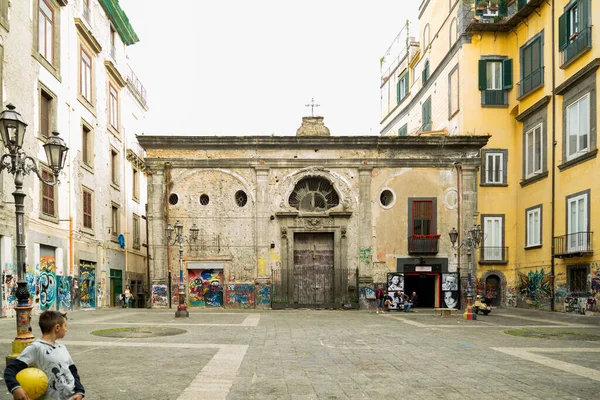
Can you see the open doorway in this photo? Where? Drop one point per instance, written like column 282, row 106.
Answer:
column 424, row 285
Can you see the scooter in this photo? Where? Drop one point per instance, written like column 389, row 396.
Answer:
column 483, row 304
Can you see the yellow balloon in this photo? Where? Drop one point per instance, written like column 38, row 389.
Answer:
column 33, row 381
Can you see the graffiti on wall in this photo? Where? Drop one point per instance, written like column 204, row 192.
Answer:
column 241, row 294
column 87, row 287
column 263, row 295
column 365, row 255
column 535, row 288
column 47, row 285
column 575, row 305
column 205, row 287
column 9, row 282
column 65, row 300
column 159, row 296
column 366, row 293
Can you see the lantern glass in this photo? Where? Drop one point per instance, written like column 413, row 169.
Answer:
column 56, row 152
column 194, row 232
column 453, row 236
column 12, row 129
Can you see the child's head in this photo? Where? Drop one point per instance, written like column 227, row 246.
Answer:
column 52, row 321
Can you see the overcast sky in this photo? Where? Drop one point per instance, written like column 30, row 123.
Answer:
column 248, row 67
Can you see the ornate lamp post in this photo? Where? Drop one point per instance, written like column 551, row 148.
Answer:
column 471, row 242
column 18, row 163
column 179, row 238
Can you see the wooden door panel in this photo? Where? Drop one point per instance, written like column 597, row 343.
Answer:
column 313, row 268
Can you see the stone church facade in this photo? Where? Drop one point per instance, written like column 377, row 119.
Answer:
column 307, row 221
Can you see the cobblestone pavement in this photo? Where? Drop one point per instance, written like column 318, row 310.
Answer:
column 326, row 354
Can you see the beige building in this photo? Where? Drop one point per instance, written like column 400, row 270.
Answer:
column 307, row 221
column 85, row 236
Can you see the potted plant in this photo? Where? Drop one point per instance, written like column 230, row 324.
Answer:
column 493, row 5
column 482, row 5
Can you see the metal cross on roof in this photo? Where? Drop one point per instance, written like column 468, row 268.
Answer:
column 312, row 106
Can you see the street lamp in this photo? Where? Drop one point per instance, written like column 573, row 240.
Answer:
column 471, row 242
column 18, row 163
column 179, row 238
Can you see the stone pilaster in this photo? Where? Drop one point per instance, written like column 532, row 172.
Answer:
column 156, row 226
column 262, row 222
column 365, row 224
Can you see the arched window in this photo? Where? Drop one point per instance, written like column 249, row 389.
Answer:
column 453, row 32
column 314, row 193
column 426, row 37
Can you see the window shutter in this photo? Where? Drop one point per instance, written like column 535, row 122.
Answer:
column 562, row 32
column 406, row 83
column 584, row 21
column 482, row 75
column 424, row 75
column 398, row 92
column 507, row 74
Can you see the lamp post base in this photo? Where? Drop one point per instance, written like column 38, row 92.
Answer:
column 182, row 311
column 182, row 314
column 24, row 335
column 469, row 314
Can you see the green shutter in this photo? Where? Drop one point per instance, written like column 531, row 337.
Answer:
column 482, row 74
column 403, row 131
column 584, row 20
column 562, row 31
column 398, row 91
column 507, row 74
column 406, row 83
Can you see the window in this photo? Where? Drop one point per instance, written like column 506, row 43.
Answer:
column 495, row 78
column 113, row 107
column 577, row 278
column 114, row 226
column 532, row 65
column 86, row 145
column 402, row 87
column 313, row 193
column 578, row 127
column 493, row 171
column 4, row 14
column 87, row 209
column 136, row 184
column 426, row 115
column 112, row 34
column 426, row 38
column 403, row 131
column 453, row 92
column 425, row 74
column 453, row 32
column 46, row 31
column 422, row 221
column 114, row 167
column 534, row 151
column 493, row 238
column 48, row 194
column 45, row 111
column 578, row 236
column 86, row 10
column 85, row 75
column 136, row 232
column 574, row 31
column 533, row 228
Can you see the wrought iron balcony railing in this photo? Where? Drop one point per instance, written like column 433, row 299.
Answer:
column 581, row 41
column 532, row 81
column 494, row 97
column 573, row 245
column 423, row 244
column 493, row 254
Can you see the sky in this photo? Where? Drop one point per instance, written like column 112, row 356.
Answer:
column 249, row 67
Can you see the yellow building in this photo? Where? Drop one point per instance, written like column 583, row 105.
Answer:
column 525, row 73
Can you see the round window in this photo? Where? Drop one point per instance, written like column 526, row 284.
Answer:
column 204, row 200
column 173, row 199
column 386, row 198
column 241, row 198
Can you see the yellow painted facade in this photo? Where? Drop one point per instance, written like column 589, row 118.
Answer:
column 532, row 178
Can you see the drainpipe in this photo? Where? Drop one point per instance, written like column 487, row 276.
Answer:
column 552, row 172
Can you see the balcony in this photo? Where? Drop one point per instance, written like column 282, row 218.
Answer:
column 509, row 14
column 531, row 82
column 137, row 88
column 577, row 244
column 576, row 46
column 494, row 97
column 493, row 255
column 423, row 244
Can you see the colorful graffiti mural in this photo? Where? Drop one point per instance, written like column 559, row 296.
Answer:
column 263, row 295
column 87, row 287
column 205, row 287
column 241, row 294
column 159, row 296
column 47, row 285
column 65, row 299
column 9, row 281
column 534, row 289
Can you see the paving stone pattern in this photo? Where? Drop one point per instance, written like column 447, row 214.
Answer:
column 326, row 354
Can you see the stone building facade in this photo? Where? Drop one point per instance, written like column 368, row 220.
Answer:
column 312, row 220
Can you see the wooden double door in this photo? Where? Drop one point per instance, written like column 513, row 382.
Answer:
column 313, row 273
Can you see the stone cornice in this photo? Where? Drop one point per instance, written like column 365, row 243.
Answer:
column 534, row 108
column 114, row 74
column 404, row 143
column 578, row 76
column 87, row 36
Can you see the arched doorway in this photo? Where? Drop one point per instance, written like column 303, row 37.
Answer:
column 492, row 289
